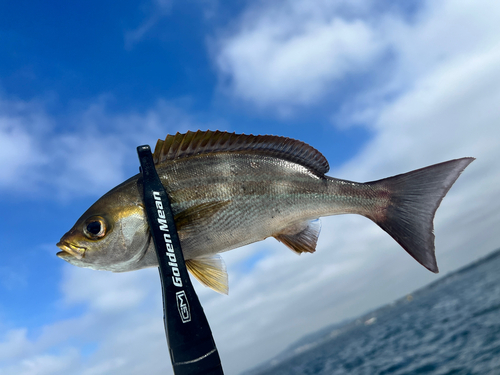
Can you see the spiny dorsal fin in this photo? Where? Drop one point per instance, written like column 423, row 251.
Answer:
column 204, row 142
column 210, row 271
column 301, row 237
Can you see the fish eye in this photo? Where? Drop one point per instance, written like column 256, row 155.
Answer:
column 95, row 228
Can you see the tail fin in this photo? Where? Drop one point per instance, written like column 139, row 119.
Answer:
column 413, row 200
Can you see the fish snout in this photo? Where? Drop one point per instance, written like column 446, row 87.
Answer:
column 69, row 249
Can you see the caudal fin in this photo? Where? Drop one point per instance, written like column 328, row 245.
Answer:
column 413, row 200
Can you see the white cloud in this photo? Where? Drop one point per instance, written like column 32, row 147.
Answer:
column 43, row 365
column 289, row 53
column 39, row 153
column 13, row 344
column 19, row 151
column 293, row 53
column 122, row 323
column 122, row 291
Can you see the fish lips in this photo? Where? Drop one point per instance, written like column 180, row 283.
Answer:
column 70, row 250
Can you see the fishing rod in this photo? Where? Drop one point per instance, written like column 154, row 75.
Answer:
column 189, row 338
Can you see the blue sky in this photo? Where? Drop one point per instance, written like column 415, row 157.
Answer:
column 378, row 88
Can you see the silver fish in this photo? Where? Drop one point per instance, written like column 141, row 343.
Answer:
column 228, row 190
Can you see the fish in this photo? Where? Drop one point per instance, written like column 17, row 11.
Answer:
column 228, row 190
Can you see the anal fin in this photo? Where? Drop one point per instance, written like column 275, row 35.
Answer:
column 210, row 271
column 301, row 237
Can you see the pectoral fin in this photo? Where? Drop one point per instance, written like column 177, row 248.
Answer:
column 301, row 237
column 197, row 214
column 210, row 271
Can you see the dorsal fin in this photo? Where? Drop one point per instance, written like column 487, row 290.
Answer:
column 204, row 142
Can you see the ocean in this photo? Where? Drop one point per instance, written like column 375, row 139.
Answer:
column 451, row 326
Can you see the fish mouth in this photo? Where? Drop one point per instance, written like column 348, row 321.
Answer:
column 70, row 250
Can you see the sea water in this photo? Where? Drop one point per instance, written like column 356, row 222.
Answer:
column 449, row 327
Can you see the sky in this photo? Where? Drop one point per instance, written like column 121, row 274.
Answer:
column 379, row 87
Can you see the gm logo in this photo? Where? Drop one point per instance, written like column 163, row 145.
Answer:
column 183, row 306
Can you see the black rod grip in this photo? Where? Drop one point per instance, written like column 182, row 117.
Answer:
column 190, row 341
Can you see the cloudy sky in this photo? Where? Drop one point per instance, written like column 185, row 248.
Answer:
column 379, row 87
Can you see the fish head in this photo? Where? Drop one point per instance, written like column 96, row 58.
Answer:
column 113, row 234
